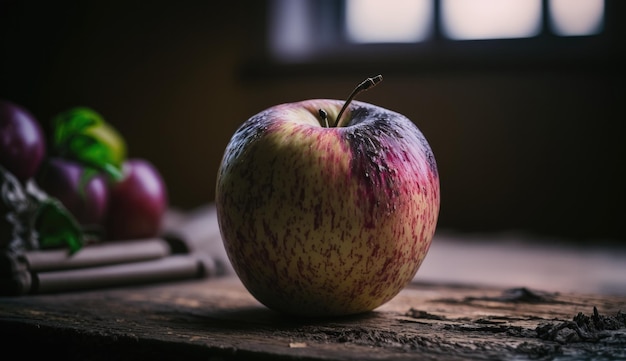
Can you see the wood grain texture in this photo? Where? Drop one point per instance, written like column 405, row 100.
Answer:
column 217, row 319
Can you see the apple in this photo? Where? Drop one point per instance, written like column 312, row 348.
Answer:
column 324, row 215
column 83, row 191
column 22, row 141
column 137, row 203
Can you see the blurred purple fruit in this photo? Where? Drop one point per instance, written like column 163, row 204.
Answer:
column 82, row 191
column 22, row 141
column 137, row 203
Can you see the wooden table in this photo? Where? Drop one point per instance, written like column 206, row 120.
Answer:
column 217, row 319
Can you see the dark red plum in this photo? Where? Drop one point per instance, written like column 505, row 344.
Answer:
column 137, row 203
column 22, row 141
column 82, row 192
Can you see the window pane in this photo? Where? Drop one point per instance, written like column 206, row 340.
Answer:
column 576, row 17
column 390, row 21
column 490, row 19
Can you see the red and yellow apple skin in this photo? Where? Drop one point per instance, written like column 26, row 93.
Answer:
column 327, row 221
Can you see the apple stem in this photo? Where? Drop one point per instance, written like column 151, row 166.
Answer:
column 365, row 85
column 324, row 117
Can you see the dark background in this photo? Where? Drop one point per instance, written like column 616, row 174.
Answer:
column 524, row 142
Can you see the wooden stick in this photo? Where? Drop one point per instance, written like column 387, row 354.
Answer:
column 97, row 255
column 170, row 268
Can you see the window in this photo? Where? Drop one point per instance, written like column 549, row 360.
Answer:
column 490, row 19
column 437, row 33
column 578, row 17
column 398, row 21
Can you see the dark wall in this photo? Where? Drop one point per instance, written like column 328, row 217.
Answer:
column 539, row 150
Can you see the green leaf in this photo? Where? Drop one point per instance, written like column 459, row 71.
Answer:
column 115, row 173
column 56, row 227
column 83, row 135
column 74, row 121
column 90, row 150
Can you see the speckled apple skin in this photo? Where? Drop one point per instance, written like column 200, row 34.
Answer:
column 327, row 221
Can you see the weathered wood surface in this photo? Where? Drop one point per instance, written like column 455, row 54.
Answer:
column 216, row 319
